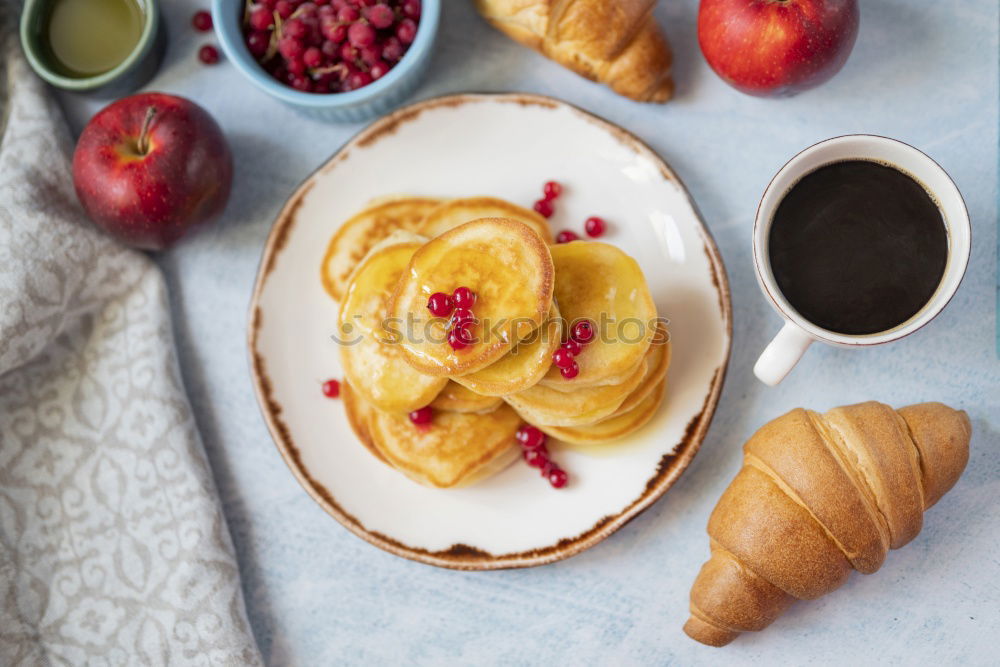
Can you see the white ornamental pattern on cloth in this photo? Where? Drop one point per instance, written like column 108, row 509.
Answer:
column 113, row 546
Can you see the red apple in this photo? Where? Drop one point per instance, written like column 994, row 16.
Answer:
column 150, row 168
column 777, row 47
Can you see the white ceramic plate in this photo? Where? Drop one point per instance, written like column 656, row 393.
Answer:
column 503, row 145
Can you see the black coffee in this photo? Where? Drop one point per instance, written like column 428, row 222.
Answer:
column 857, row 247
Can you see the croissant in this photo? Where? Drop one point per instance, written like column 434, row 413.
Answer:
column 818, row 496
column 617, row 43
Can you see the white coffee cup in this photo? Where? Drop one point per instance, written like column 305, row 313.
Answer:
column 781, row 355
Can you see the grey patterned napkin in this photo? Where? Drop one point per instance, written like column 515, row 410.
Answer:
column 113, row 545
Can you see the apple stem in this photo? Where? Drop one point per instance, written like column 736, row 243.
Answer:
column 144, row 134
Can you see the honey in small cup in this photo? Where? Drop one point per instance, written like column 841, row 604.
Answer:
column 90, row 37
column 109, row 46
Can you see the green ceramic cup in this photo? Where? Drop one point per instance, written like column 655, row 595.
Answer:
column 129, row 75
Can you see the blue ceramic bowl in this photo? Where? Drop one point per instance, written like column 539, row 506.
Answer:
column 372, row 100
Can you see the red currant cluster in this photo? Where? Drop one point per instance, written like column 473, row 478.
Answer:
column 330, row 46
column 594, row 226
column 202, row 22
column 459, row 305
column 546, row 205
column 564, row 357
column 536, row 454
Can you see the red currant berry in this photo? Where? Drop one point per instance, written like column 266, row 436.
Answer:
column 530, row 437
column 369, row 54
column 284, row 8
column 459, row 338
column 380, row 15
column 411, row 9
column 257, row 43
column 313, row 57
column 301, row 83
column 439, row 304
column 571, row 371
column 464, row 297
column 290, row 48
column 295, row 28
column 572, row 347
column 544, row 208
column 348, row 14
column 378, row 69
column 202, row 21
column 331, row 389
column 536, row 458
column 583, row 332
column 307, row 9
column 552, row 189
column 348, row 54
column 594, row 226
column 361, row 34
column 358, row 80
column 422, row 416
column 392, row 50
column 296, row 66
column 563, row 358
column 558, row 478
column 333, row 31
column 406, row 31
column 261, row 19
column 208, row 54
column 565, row 236
column 462, row 317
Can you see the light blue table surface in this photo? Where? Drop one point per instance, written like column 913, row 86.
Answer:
column 923, row 71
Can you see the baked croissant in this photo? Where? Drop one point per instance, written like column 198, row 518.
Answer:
column 818, row 496
column 617, row 43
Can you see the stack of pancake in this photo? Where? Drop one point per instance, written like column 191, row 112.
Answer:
column 384, row 263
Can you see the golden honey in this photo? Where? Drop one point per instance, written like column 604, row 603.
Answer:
column 89, row 37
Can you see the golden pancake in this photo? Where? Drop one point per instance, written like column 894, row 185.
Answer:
column 374, row 367
column 359, row 234
column 657, row 364
column 509, row 268
column 455, row 449
column 359, row 413
column 615, row 427
column 541, row 405
column 455, row 212
column 553, row 379
column 456, row 398
column 599, row 282
column 523, row 366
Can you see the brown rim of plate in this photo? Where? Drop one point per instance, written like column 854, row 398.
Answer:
column 461, row 556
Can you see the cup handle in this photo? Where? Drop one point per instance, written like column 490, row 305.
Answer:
column 781, row 354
